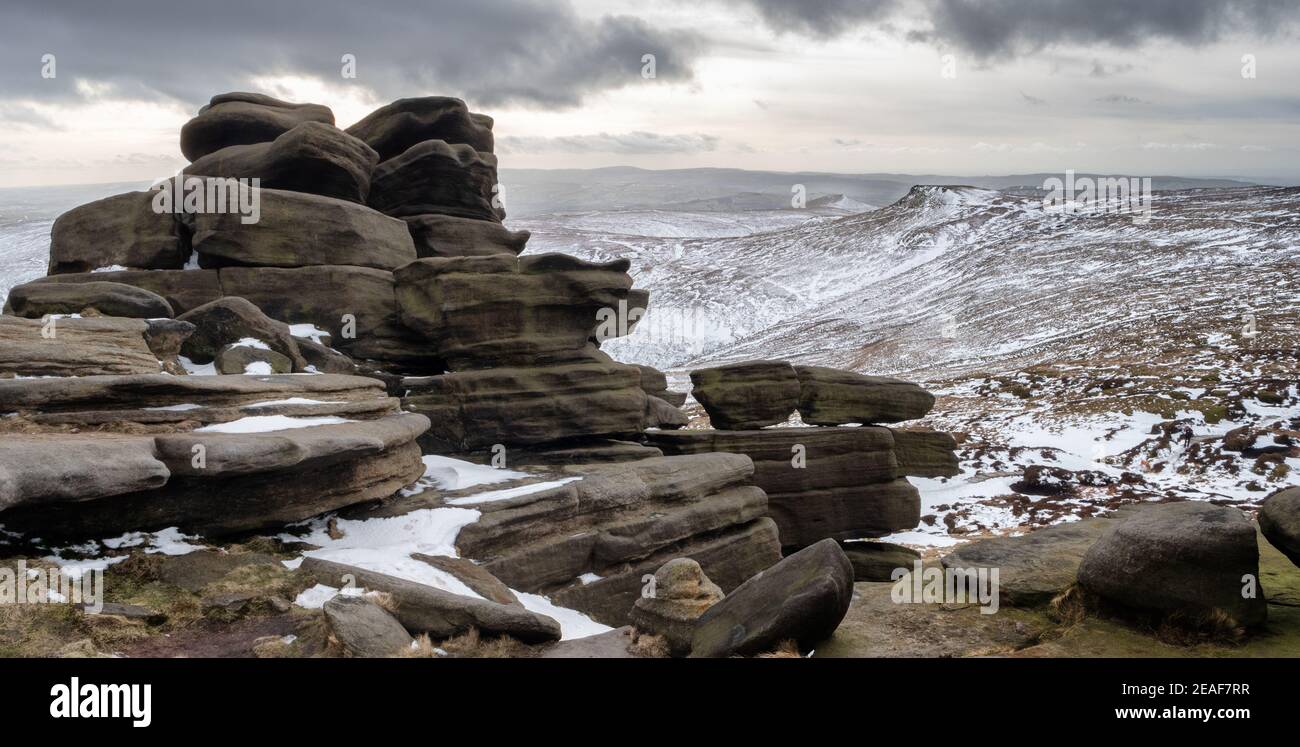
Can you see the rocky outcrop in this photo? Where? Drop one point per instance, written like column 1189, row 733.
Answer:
column 341, row 233
column 741, row 396
column 924, row 453
column 472, row 410
column 241, row 358
column 312, row 157
column 182, row 289
column 243, row 118
column 679, row 595
column 208, row 454
column 364, row 629
column 829, row 396
column 1279, row 520
column 843, row 483
column 450, row 236
column 1191, row 559
column 394, row 128
column 122, row 231
column 436, row 177
column 878, row 561
column 803, row 598
column 587, row 544
column 35, row 300
column 75, row 347
column 483, row 312
column 231, row 321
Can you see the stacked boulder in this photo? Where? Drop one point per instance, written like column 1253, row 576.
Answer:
column 839, row 481
column 241, row 369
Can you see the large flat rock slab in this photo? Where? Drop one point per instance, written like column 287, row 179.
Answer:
column 75, row 347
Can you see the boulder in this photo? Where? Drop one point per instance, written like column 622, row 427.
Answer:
column 324, row 359
column 232, row 320
column 245, row 481
column 69, row 346
column 364, row 629
column 496, row 311
column 1187, row 558
column 434, row 177
column 1035, row 567
column 472, row 410
column 660, row 414
column 47, row 469
column 312, row 157
column 742, row 396
column 679, row 595
column 122, row 231
column 165, row 338
column 1279, row 520
column 655, row 384
column 803, row 598
column 298, row 229
column 843, row 483
column 394, row 128
column 441, row 614
column 828, row 396
column 925, row 453
column 238, row 358
column 35, row 300
column 450, row 236
column 182, row 289
column 876, row 561
column 242, row 118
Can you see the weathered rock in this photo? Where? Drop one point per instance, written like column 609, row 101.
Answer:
column 843, row 483
column 312, row 157
column 298, row 229
column 507, row 311
column 434, row 177
column 742, row 396
column 526, row 406
column 681, row 593
column 245, row 482
column 577, row 451
column 425, row 609
column 354, row 304
column 472, row 575
column 655, row 384
column 364, row 629
column 233, row 319
column 34, row 300
column 183, row 289
column 450, row 236
column 613, row 644
column 120, row 231
column 586, row 544
column 1279, row 520
column 325, row 359
column 802, row 598
column 1178, row 558
column 876, row 561
column 829, row 396
column 64, row 468
column 75, row 347
column 249, row 359
column 925, row 453
column 193, row 571
column 242, row 118
column 660, row 414
column 1035, row 567
column 394, row 128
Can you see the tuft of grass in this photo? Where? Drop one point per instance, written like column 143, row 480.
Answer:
column 787, row 649
column 649, row 645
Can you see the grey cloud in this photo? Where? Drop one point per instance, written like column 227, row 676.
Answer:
column 491, row 52
column 1118, row 98
column 820, row 17
column 996, row 28
column 629, row 143
column 1032, row 100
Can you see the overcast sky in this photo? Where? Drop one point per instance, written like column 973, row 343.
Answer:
column 964, row 87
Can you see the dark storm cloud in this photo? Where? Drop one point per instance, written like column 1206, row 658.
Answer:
column 820, row 17
column 491, row 52
column 995, row 28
